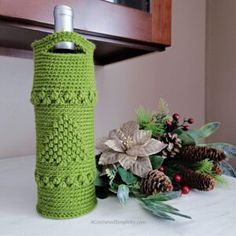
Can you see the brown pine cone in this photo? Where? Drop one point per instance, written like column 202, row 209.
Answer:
column 173, row 145
column 196, row 180
column 155, row 181
column 192, row 153
column 216, row 168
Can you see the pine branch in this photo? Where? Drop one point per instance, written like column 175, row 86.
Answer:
column 143, row 116
column 163, row 107
column 206, row 167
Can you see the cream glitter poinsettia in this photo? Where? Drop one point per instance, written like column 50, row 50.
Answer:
column 130, row 147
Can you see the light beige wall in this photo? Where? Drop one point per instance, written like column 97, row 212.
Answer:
column 221, row 68
column 178, row 75
column 16, row 113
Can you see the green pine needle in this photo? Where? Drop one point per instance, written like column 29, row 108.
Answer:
column 205, row 166
column 143, row 116
column 156, row 123
column 155, row 128
column 220, row 180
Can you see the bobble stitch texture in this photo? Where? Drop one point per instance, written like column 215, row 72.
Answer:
column 64, row 96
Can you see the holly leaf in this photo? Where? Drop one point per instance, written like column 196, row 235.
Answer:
column 156, row 161
column 127, row 176
column 208, row 129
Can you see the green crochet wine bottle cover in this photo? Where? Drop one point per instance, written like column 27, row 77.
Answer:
column 64, row 97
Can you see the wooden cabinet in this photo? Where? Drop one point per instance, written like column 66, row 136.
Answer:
column 119, row 32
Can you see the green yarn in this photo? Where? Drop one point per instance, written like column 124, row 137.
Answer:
column 64, row 96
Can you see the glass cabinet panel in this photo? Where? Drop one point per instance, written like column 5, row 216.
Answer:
column 143, row 5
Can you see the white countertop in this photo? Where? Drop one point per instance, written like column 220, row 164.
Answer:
column 213, row 213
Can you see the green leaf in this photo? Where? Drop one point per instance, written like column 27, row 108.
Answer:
column 227, row 169
column 194, row 134
column 157, row 212
column 100, row 181
column 123, row 193
column 185, row 137
column 127, row 176
column 156, row 161
column 229, row 149
column 161, row 209
column 163, row 196
column 208, row 129
column 204, row 132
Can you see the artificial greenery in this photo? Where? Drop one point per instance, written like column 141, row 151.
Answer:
column 206, row 166
column 135, row 153
column 154, row 121
column 156, row 161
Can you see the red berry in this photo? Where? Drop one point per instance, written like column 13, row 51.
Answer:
column 186, row 127
column 176, row 116
column 185, row 189
column 161, row 169
column 190, row 120
column 178, row 178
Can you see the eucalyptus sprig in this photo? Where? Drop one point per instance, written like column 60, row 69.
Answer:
column 155, row 205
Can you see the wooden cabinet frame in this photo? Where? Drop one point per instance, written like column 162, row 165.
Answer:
column 119, row 32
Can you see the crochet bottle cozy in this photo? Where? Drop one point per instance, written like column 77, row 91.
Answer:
column 64, row 97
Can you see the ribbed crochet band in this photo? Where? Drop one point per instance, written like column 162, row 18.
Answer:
column 62, row 204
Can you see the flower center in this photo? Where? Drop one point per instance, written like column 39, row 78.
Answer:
column 127, row 141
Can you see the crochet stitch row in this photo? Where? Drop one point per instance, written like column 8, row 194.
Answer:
column 64, row 97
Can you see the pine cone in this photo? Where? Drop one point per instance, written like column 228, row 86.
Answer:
column 154, row 182
column 192, row 153
column 173, row 147
column 216, row 168
column 197, row 180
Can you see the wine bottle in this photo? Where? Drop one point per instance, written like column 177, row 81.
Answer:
column 63, row 22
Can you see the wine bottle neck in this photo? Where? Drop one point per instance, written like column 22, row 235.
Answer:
column 63, row 21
